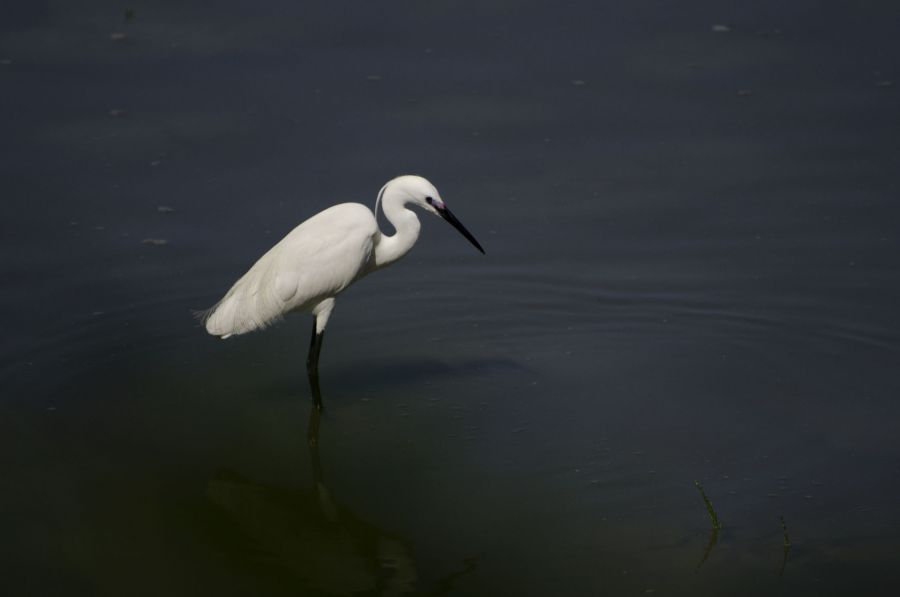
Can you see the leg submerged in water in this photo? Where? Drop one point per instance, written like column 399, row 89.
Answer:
column 321, row 313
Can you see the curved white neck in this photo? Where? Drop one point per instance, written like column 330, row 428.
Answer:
column 389, row 249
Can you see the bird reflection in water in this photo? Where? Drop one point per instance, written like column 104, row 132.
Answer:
column 318, row 542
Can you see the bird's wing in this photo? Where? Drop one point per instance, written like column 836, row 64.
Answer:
column 316, row 260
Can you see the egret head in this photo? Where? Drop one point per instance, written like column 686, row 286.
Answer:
column 418, row 191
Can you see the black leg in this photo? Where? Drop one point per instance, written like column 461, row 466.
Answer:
column 312, row 349
column 312, row 364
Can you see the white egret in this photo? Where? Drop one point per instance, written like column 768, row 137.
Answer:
column 318, row 259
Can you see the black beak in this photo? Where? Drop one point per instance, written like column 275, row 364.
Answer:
column 445, row 213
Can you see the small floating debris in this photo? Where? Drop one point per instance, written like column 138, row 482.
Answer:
column 129, row 14
column 373, row 77
column 164, row 209
column 787, row 540
column 5, row 61
column 713, row 518
column 118, row 36
column 787, row 546
column 721, row 28
column 883, row 84
column 579, row 83
column 744, row 93
column 116, row 112
column 155, row 241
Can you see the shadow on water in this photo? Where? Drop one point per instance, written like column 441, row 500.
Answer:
column 379, row 373
column 314, row 541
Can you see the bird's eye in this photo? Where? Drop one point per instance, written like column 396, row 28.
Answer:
column 429, row 200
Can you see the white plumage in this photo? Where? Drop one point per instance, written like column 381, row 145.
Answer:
column 313, row 263
column 318, row 259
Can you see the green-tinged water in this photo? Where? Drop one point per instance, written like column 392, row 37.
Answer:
column 691, row 275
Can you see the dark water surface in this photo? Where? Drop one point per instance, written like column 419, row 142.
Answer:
column 693, row 249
